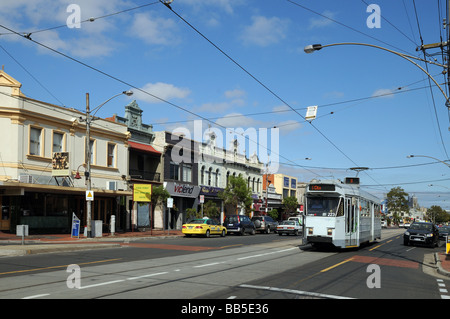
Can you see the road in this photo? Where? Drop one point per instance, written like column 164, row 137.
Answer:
column 233, row 267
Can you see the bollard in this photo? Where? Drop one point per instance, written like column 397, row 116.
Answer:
column 113, row 224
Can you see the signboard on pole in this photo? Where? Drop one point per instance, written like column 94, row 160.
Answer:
column 90, row 195
column 202, row 199
column 142, row 192
column 170, row 202
column 311, row 113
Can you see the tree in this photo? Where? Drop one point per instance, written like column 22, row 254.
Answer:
column 290, row 205
column 210, row 209
column 236, row 194
column 437, row 215
column 397, row 201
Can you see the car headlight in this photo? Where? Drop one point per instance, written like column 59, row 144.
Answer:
column 406, row 233
column 430, row 235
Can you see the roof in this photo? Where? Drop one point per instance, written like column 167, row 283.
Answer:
column 143, row 147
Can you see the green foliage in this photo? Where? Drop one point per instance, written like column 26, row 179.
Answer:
column 236, row 194
column 397, row 200
column 290, row 204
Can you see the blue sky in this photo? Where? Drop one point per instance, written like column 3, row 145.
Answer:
column 375, row 108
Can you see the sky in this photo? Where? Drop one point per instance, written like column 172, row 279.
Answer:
column 235, row 65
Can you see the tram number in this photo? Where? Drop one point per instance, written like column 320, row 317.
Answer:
column 321, row 187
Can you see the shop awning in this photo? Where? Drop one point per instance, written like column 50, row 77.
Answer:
column 143, row 147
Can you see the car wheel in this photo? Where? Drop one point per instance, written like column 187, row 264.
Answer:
column 268, row 230
column 405, row 242
column 223, row 233
column 253, row 231
column 296, row 233
column 208, row 234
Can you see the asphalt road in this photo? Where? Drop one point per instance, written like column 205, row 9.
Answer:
column 234, row 267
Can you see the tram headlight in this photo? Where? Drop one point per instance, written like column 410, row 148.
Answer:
column 330, row 231
column 310, row 230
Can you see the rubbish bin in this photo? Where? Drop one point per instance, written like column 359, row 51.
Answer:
column 98, row 228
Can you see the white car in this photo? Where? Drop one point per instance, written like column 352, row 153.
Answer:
column 289, row 227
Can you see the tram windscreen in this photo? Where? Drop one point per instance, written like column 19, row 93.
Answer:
column 323, row 206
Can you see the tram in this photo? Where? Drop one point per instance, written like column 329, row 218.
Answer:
column 341, row 214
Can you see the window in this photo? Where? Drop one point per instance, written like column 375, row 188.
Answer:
column 174, row 171
column 202, row 176
column 217, row 178
column 187, row 172
column 209, row 176
column 35, row 141
column 58, row 142
column 111, row 155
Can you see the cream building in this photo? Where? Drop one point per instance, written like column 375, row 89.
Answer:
column 42, row 159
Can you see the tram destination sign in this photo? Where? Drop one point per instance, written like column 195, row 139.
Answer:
column 322, row 187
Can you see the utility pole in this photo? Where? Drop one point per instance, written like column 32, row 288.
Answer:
column 88, row 168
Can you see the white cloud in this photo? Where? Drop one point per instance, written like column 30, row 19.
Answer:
column 234, row 120
column 164, row 91
column 386, row 93
column 154, row 30
column 265, row 31
column 322, row 21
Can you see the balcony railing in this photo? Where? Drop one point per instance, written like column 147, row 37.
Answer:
column 144, row 175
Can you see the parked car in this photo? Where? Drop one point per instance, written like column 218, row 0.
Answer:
column 239, row 224
column 204, row 227
column 383, row 224
column 289, row 227
column 297, row 218
column 265, row 224
column 443, row 232
column 422, row 233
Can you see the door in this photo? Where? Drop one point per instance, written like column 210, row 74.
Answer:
column 351, row 238
column 5, row 218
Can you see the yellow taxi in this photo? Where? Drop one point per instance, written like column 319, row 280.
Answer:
column 204, row 227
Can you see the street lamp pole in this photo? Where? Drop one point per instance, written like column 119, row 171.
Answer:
column 410, row 156
column 316, row 47
column 89, row 119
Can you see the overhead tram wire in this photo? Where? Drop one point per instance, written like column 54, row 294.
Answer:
column 261, row 83
column 429, row 81
column 92, row 19
column 254, row 77
column 135, row 87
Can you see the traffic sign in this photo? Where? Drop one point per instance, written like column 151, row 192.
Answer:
column 90, row 195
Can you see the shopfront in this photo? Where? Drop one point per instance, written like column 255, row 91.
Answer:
column 184, row 196
column 49, row 210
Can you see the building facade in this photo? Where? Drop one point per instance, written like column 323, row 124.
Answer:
column 43, row 163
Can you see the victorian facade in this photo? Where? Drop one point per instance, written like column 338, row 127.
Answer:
column 43, row 162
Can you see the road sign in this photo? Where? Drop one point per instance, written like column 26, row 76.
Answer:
column 170, row 202
column 90, row 195
column 202, row 199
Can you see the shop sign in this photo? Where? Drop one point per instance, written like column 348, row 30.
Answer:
column 210, row 191
column 142, row 192
column 182, row 190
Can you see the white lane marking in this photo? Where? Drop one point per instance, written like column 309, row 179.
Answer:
column 265, row 254
column 102, row 284
column 297, row 292
column 149, row 275
column 36, row 296
column 207, row 265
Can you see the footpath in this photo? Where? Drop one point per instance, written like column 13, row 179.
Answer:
column 12, row 245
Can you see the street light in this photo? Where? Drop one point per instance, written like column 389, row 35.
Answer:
column 89, row 119
column 316, row 47
column 410, row 156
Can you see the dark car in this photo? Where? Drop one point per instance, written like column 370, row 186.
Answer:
column 422, row 233
column 239, row 224
column 443, row 232
column 265, row 224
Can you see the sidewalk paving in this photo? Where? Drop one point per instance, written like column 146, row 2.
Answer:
column 11, row 244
